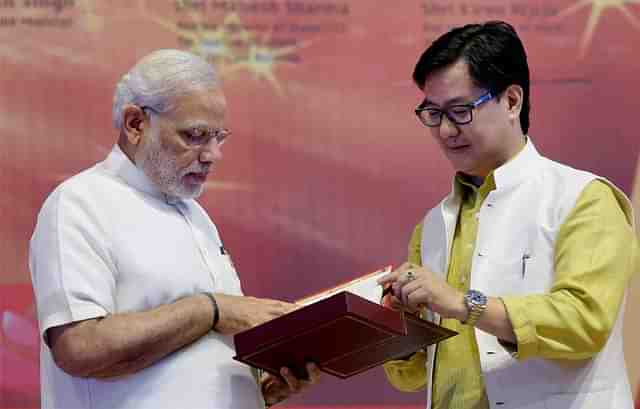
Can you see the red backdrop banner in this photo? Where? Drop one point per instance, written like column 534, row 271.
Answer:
column 328, row 169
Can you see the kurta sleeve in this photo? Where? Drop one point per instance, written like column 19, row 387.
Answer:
column 596, row 253
column 409, row 375
column 72, row 273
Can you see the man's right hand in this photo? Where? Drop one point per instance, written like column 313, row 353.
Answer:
column 238, row 313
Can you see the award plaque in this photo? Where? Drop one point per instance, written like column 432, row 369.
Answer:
column 344, row 334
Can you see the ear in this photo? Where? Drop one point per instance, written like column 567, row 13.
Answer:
column 514, row 96
column 133, row 123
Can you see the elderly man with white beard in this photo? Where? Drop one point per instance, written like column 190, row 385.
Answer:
column 137, row 298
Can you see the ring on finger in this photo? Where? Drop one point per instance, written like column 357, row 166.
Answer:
column 410, row 276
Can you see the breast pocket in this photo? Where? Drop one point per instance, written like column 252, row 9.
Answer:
column 508, row 276
column 529, row 273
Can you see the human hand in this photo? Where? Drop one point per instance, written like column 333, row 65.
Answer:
column 390, row 300
column 238, row 313
column 276, row 389
column 415, row 287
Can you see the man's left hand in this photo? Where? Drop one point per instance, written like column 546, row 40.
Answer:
column 416, row 287
column 276, row 389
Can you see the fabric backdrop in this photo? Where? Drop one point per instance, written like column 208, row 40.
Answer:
column 328, row 170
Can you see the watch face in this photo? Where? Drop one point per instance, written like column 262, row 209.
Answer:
column 476, row 304
column 476, row 297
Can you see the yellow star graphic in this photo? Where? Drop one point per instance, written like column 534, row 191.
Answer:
column 230, row 46
column 597, row 9
column 261, row 61
column 216, row 45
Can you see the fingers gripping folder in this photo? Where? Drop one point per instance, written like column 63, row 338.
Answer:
column 344, row 330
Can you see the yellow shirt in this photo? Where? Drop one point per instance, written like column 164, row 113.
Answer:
column 595, row 252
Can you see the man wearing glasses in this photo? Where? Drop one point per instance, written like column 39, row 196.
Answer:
column 137, row 298
column 526, row 258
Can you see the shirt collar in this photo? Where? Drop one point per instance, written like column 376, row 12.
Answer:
column 466, row 185
column 118, row 164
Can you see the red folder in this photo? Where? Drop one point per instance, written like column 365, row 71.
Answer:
column 344, row 335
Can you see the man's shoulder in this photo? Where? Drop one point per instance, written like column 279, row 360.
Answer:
column 561, row 180
column 90, row 185
column 82, row 179
column 563, row 170
column 592, row 183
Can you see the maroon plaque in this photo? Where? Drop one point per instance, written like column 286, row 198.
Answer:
column 344, row 335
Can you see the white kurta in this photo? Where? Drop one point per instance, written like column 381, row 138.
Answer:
column 106, row 242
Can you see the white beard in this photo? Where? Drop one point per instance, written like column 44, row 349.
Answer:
column 160, row 166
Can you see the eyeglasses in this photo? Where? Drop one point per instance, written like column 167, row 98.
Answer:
column 198, row 136
column 460, row 114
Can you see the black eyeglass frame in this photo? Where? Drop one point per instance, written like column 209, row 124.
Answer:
column 487, row 96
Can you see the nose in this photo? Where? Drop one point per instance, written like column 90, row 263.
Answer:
column 211, row 152
column 447, row 128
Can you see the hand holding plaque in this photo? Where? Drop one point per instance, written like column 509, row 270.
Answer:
column 344, row 330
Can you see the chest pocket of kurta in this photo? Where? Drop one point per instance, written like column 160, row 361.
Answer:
column 515, row 261
column 501, row 276
column 530, row 271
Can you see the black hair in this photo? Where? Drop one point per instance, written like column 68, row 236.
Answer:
column 494, row 55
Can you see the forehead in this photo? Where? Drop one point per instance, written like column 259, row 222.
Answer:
column 208, row 106
column 450, row 84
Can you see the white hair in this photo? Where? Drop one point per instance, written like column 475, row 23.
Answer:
column 158, row 78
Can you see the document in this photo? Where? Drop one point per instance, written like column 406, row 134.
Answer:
column 365, row 286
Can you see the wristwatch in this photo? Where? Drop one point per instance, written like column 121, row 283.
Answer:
column 476, row 303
